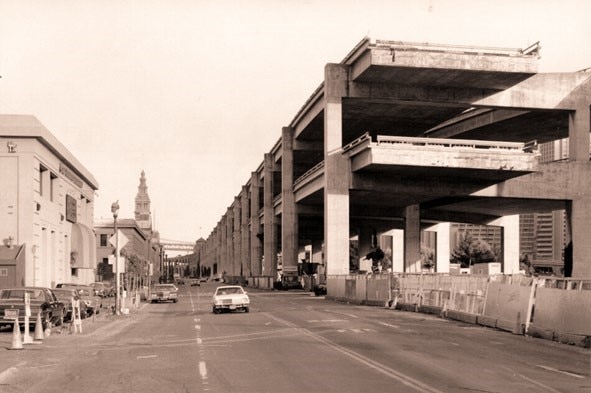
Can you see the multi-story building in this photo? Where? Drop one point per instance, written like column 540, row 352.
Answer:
column 139, row 244
column 143, row 242
column 543, row 234
column 46, row 208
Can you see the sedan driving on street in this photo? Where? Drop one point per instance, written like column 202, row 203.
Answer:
column 164, row 293
column 230, row 297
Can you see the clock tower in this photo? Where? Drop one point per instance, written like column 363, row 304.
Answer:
column 143, row 216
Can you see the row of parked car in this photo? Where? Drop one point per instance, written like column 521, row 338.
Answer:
column 53, row 304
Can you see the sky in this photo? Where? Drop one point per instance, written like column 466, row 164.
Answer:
column 195, row 92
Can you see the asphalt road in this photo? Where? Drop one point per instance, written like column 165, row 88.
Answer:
column 289, row 342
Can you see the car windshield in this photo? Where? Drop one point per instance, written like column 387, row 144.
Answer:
column 20, row 294
column 165, row 287
column 229, row 291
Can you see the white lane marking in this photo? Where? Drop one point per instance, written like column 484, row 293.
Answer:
column 327, row 320
column 147, row 357
column 202, row 370
column 560, row 371
column 389, row 325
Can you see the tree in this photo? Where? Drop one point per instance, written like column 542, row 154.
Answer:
column 428, row 257
column 471, row 251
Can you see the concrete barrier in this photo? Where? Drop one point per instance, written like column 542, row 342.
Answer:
column 554, row 309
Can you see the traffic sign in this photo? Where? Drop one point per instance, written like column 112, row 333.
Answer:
column 123, row 240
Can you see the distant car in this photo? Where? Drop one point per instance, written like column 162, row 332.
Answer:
column 229, row 298
column 42, row 301
column 164, row 293
column 87, row 296
column 100, row 289
column 65, row 296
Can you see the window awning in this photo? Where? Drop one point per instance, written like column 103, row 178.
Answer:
column 82, row 250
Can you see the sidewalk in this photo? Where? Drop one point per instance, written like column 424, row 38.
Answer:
column 60, row 336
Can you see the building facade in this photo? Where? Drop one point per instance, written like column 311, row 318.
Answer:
column 46, row 208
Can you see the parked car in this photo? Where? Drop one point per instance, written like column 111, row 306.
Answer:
column 65, row 296
column 164, row 293
column 88, row 297
column 100, row 289
column 229, row 298
column 42, row 300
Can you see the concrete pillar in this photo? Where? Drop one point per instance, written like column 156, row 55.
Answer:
column 578, row 212
column 237, row 236
column 510, row 242
column 289, row 216
column 578, row 134
column 270, row 241
column 397, row 250
column 256, row 244
column 219, row 247
column 245, row 232
column 223, row 266
column 337, row 172
column 228, row 231
column 412, row 236
column 443, row 251
column 365, row 237
column 578, row 216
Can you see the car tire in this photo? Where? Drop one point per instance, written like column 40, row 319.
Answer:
column 246, row 309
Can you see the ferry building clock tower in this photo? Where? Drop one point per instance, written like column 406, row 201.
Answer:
column 143, row 216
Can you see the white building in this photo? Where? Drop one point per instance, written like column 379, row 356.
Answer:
column 46, row 208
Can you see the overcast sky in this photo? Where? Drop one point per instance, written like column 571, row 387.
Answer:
column 196, row 92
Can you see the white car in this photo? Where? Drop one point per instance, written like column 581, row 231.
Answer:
column 164, row 293
column 230, row 297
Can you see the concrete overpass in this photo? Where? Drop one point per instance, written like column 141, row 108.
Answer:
column 409, row 136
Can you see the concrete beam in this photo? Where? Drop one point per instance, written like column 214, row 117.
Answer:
column 541, row 91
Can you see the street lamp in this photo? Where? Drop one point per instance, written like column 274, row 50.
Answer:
column 115, row 211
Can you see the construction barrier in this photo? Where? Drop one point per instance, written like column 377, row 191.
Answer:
column 551, row 308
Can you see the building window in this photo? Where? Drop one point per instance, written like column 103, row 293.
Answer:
column 4, row 272
column 52, row 185
column 42, row 171
column 74, row 272
column 104, row 240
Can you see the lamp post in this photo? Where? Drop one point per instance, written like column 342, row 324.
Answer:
column 115, row 211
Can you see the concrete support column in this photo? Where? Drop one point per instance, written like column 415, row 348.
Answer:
column 289, row 216
column 337, row 172
column 578, row 217
column 412, row 236
column 365, row 237
column 228, row 231
column 579, row 127
column 443, row 251
column 245, row 232
column 270, row 241
column 397, row 250
column 223, row 266
column 578, row 212
column 237, row 236
column 256, row 244
column 219, row 247
column 510, row 242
